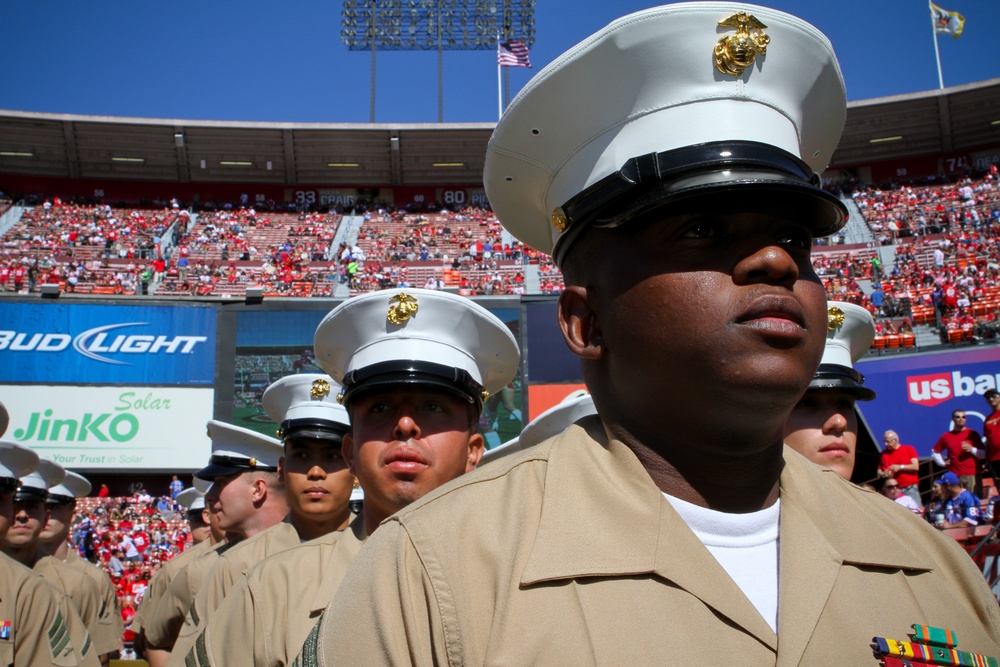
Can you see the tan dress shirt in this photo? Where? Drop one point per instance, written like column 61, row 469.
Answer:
column 568, row 554
column 225, row 572
column 110, row 627
column 163, row 622
column 266, row 618
column 34, row 626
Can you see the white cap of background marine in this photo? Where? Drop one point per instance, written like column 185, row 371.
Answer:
column 72, row 486
column 15, row 462
column 237, row 450
column 415, row 336
column 36, row 484
column 850, row 332
column 305, row 406
column 191, row 499
column 555, row 420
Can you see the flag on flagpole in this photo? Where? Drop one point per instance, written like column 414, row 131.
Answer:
column 512, row 54
column 949, row 23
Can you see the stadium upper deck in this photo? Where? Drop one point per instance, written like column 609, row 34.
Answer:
column 939, row 132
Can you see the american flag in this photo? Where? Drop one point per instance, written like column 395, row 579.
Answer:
column 512, row 54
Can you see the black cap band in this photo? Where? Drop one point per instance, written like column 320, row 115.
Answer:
column 649, row 181
column 31, row 494
column 60, row 499
column 221, row 465
column 844, row 378
column 312, row 427
column 410, row 372
column 9, row 484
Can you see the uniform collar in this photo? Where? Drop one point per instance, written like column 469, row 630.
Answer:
column 588, row 473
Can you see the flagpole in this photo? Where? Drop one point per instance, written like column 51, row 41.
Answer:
column 499, row 83
column 937, row 51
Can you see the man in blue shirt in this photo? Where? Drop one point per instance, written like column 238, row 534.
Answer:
column 176, row 486
column 961, row 506
column 878, row 296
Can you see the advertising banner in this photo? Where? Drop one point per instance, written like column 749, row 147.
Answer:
column 53, row 343
column 918, row 393
column 112, row 428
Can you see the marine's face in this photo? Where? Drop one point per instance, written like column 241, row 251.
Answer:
column 994, row 402
column 316, row 476
column 29, row 519
column 703, row 309
column 823, row 427
column 407, row 442
column 60, row 519
column 231, row 499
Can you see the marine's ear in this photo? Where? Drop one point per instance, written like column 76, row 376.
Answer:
column 579, row 323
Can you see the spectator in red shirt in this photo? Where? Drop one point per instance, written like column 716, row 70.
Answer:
column 900, row 462
column 963, row 447
column 991, row 433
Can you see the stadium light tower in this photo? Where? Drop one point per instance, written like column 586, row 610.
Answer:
column 424, row 25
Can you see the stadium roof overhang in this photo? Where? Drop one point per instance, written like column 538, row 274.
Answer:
column 952, row 120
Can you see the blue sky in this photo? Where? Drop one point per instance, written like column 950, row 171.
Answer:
column 265, row 60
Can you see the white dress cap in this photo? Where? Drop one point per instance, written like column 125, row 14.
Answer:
column 35, row 485
column 16, row 461
column 552, row 422
column 191, row 499
column 203, row 485
column 850, row 332
column 306, row 406
column 416, row 336
column 71, row 487
column 237, row 450
column 699, row 74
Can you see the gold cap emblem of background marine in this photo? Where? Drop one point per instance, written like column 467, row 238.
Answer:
column 403, row 308
column 320, row 388
column 835, row 318
column 734, row 53
column 559, row 219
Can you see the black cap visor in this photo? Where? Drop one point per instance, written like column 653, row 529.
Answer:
column 223, row 466
column 835, row 376
column 649, row 182
column 388, row 374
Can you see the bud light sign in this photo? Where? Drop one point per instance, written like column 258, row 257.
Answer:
column 97, row 344
column 918, row 393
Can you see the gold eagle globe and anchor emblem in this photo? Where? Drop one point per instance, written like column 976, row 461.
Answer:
column 834, row 318
column 320, row 388
column 735, row 53
column 405, row 306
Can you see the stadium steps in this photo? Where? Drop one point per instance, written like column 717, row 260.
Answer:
column 11, row 218
column 347, row 233
column 857, row 230
column 532, row 279
column 926, row 336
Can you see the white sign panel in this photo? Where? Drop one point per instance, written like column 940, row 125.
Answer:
column 112, row 428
